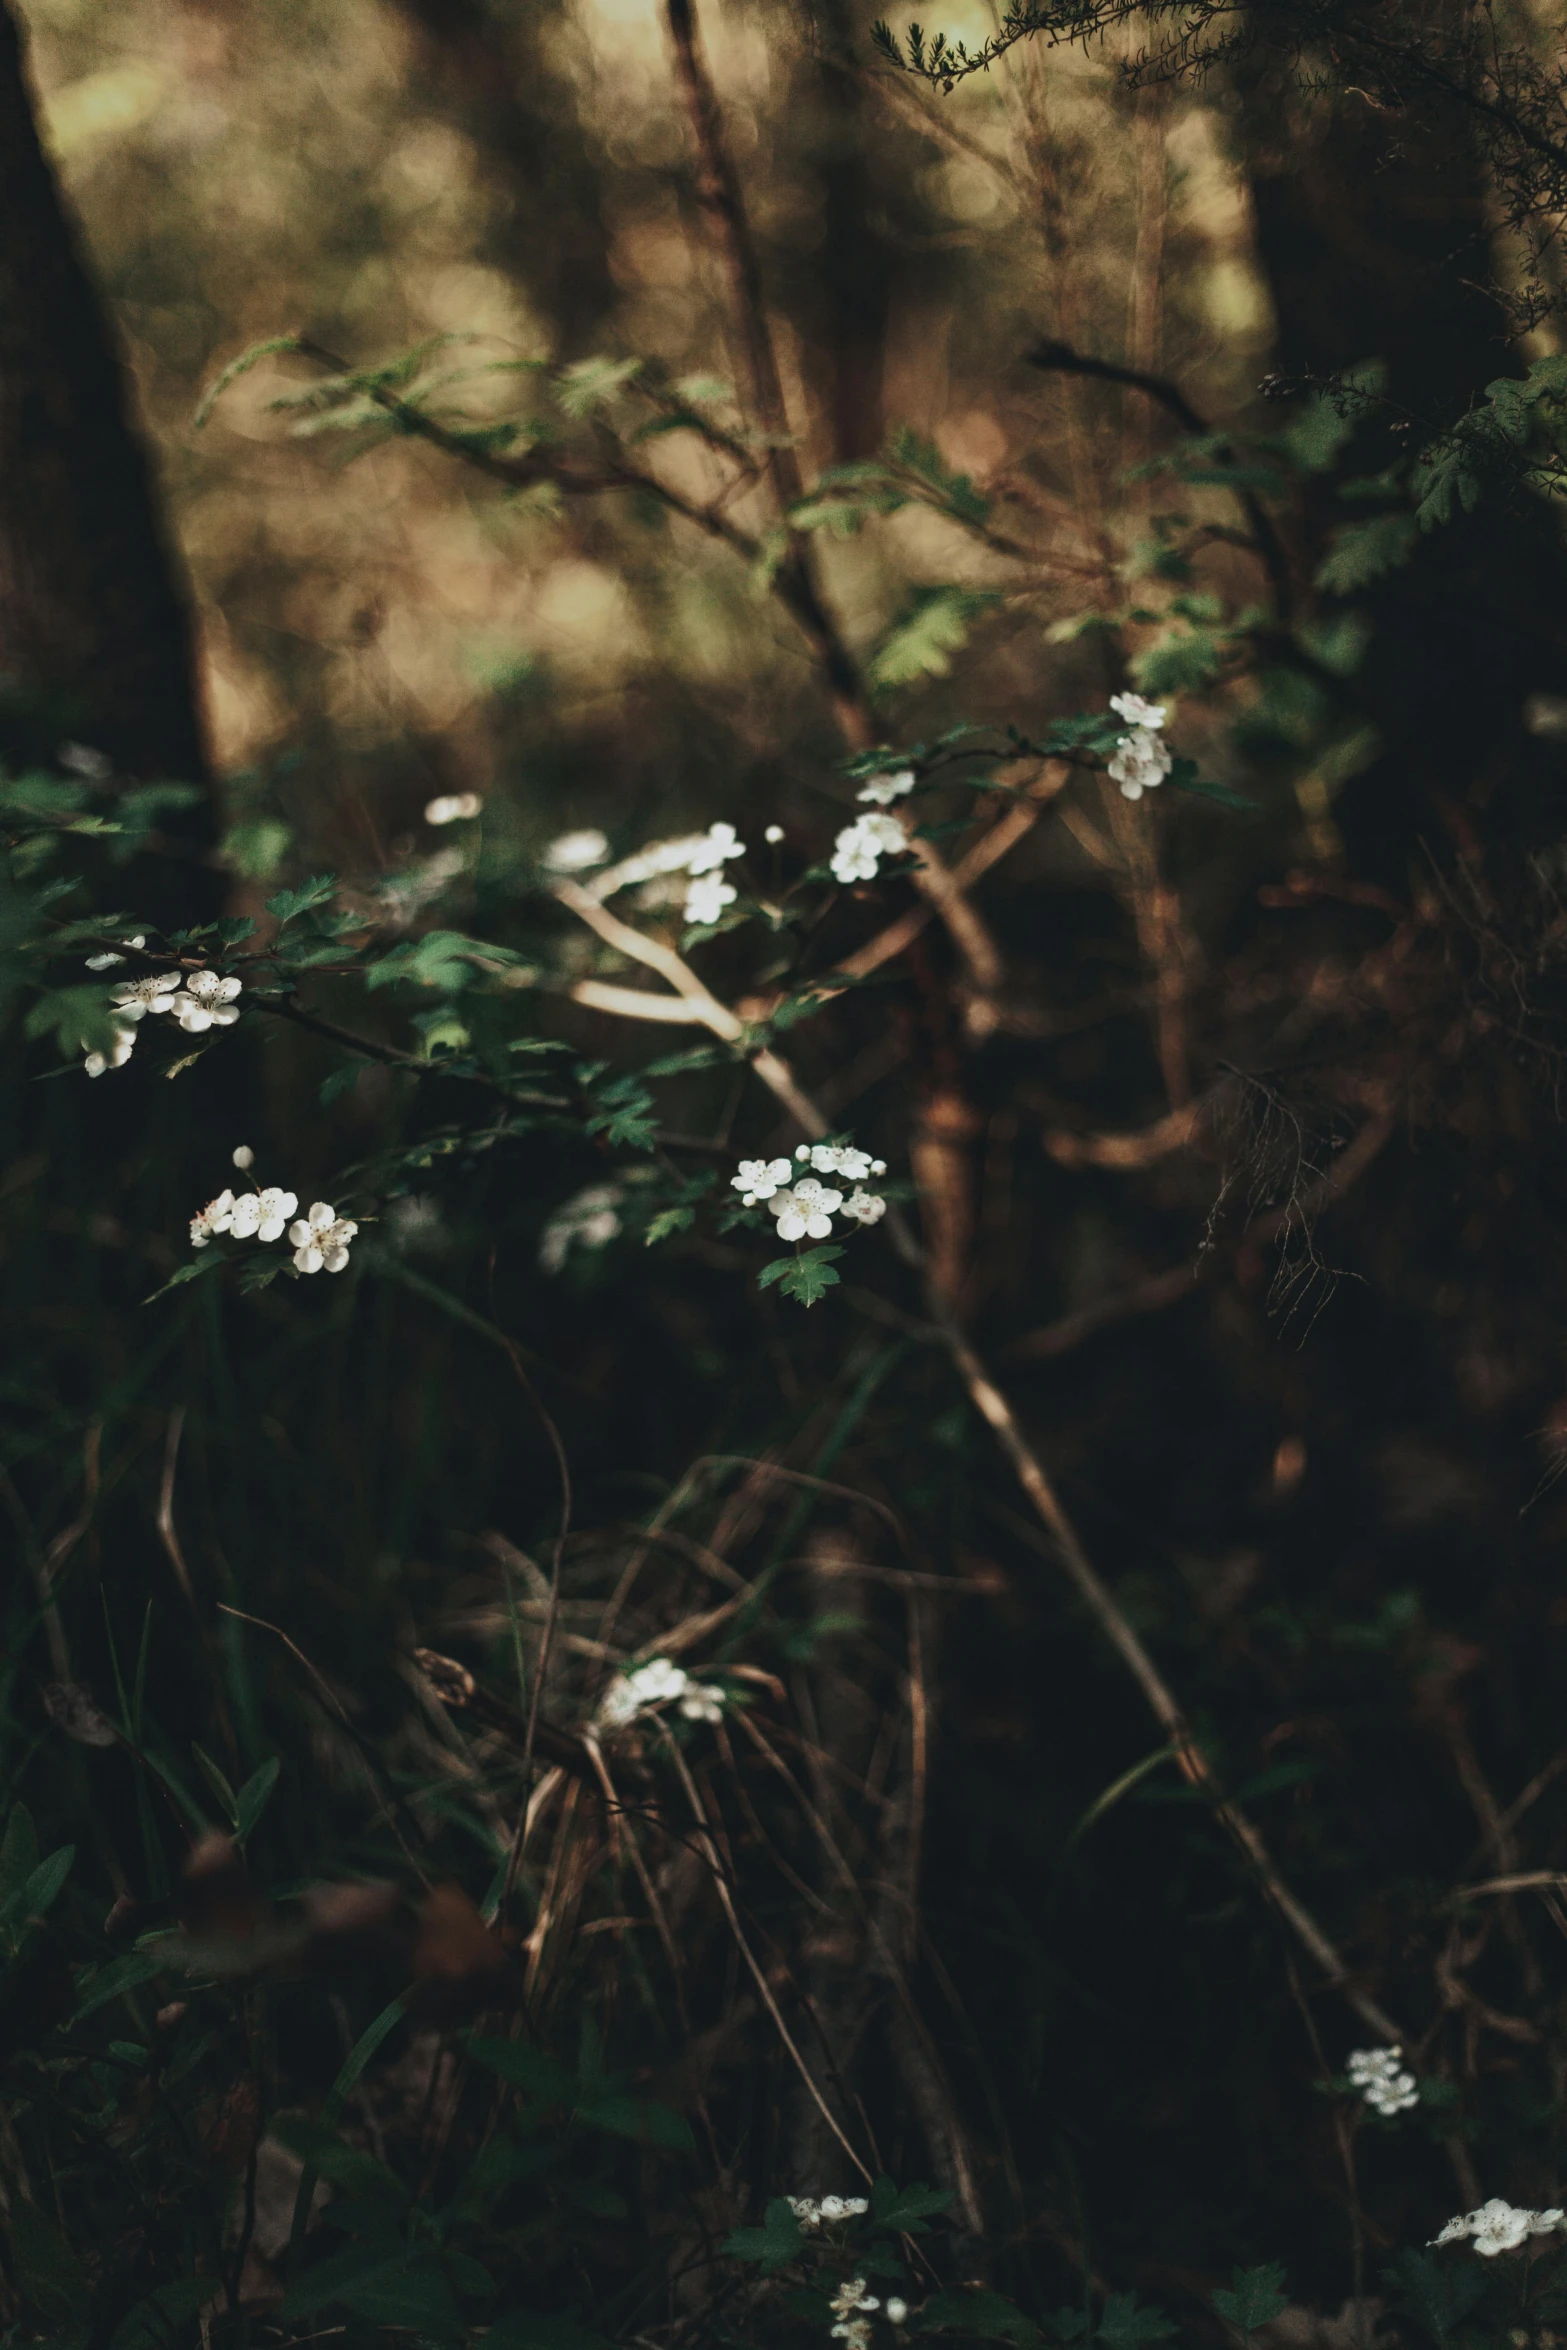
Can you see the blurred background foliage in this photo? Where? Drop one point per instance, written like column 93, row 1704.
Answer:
column 973, row 1922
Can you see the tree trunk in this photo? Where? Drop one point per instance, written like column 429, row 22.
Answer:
column 95, row 630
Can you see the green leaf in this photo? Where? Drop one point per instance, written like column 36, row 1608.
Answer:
column 79, row 1018
column 18, row 1854
column 120, row 1975
column 588, row 383
column 254, row 1796
column 1363, row 551
column 339, row 1081
column 526, row 2068
column 903, row 2208
column 47, row 2270
column 1256, row 2296
column 154, row 2324
column 774, row 2243
column 289, row 904
column 934, row 626
column 972, row 2310
column 217, row 1782
column 1125, row 2325
column 642, row 2118
column 668, row 1220
column 806, row 1278
column 40, row 1889
column 257, row 847
column 347, row 2167
column 1438, row 2296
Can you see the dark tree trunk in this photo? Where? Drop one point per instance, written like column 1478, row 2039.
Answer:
column 95, row 632
column 488, row 70
column 854, row 262
column 1372, row 231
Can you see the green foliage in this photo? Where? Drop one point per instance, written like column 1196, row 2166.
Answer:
column 1435, row 2295
column 1365, row 551
column 774, row 2244
column 806, row 1277
column 1254, row 2297
column 989, row 2316
column 935, row 624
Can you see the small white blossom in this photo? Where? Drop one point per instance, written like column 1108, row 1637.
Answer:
column 851, row 2296
column 574, row 852
column 1137, row 712
column 216, row 1216
column 840, row 1158
column 652, row 1684
column 589, row 1219
column 321, row 1240
column 882, row 790
column 207, row 1001
column 702, row 1703
column 104, row 962
column 117, row 1055
column 773, row 835
column 806, row 2210
column 707, row 897
column 82, row 759
column 864, row 1207
column 245, row 1221
column 855, row 2332
column 1379, row 2076
column 133, row 999
column 805, row 1210
column 1498, row 2227
column 453, row 808
column 1139, row 761
column 758, row 1179
column 897, row 2310
column 138, row 942
column 244, row 1158
column 861, row 845
column 719, row 842
column 275, row 1207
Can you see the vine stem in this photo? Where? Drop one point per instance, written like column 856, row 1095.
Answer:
column 1031, row 1474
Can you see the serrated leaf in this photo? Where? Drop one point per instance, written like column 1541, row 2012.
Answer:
column 903, row 2208
column 934, row 626
column 1436, row 2294
column 973, row 2310
column 289, row 904
column 1126, row 2324
column 1363, row 551
column 806, row 1278
column 1254, row 2297
column 774, row 2243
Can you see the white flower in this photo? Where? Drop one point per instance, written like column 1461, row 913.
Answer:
column 574, row 852
column 590, row 1219
column 864, row 1207
column 244, row 1158
column 1140, row 760
column 707, row 897
column 806, row 2210
column 133, row 999
column 1136, row 711
column 216, row 1216
column 82, row 759
column 701, row 1703
column 839, row 1158
column 105, row 962
column 275, row 1209
column 851, row 2295
column 1379, row 2076
column 117, row 1055
column 321, row 1239
column 717, row 843
column 453, row 808
column 860, row 846
column 773, row 835
column 843, row 2206
column 207, row 1002
column 245, row 1221
column 758, row 1179
column 855, row 2331
column 652, row 1684
column 1498, row 2227
column 882, row 790
column 806, row 1210
column 897, row 2311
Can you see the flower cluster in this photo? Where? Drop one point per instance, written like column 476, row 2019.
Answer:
column 1142, row 757
column 320, row 1240
column 804, row 1208
column 659, row 1682
column 701, row 856
column 847, row 2303
column 1379, row 2075
column 1499, row 2227
column 860, row 846
column 589, row 1219
column 813, row 2212
column 253, row 1215
column 882, row 790
column 453, row 808
column 203, row 1000
column 575, row 852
